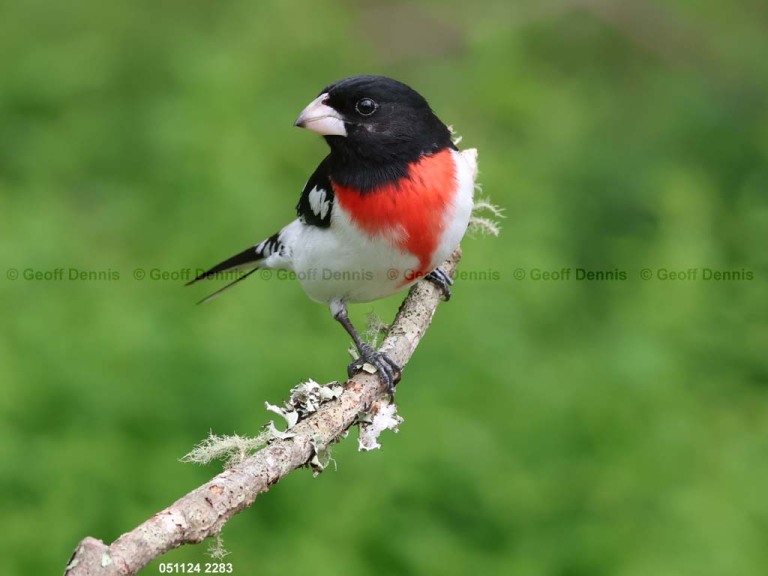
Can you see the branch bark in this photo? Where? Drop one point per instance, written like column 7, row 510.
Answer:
column 204, row 511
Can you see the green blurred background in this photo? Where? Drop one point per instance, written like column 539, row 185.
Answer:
column 556, row 427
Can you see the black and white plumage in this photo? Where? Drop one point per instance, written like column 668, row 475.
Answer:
column 384, row 209
column 316, row 202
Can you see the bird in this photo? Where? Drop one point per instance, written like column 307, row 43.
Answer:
column 388, row 204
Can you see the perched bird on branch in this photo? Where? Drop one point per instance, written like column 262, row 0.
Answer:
column 384, row 209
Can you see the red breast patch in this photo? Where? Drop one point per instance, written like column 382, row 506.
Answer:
column 414, row 206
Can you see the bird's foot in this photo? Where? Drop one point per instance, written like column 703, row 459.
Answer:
column 388, row 369
column 439, row 278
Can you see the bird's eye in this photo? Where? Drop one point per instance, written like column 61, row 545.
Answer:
column 366, row 107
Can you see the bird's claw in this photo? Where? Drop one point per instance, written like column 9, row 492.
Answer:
column 440, row 279
column 388, row 370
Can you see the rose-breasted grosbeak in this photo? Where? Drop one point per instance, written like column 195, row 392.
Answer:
column 384, row 209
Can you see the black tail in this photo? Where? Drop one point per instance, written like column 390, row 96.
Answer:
column 227, row 287
column 248, row 258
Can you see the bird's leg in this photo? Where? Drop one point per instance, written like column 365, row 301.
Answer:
column 440, row 279
column 388, row 370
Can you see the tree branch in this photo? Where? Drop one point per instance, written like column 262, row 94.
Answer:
column 204, row 511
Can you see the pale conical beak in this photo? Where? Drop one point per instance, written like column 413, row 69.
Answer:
column 321, row 118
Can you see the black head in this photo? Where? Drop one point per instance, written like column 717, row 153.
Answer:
column 375, row 126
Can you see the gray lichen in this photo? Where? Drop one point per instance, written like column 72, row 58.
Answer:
column 382, row 416
column 305, row 399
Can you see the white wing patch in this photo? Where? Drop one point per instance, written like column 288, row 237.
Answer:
column 319, row 202
column 265, row 248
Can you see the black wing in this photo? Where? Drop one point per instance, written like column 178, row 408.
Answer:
column 316, row 203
